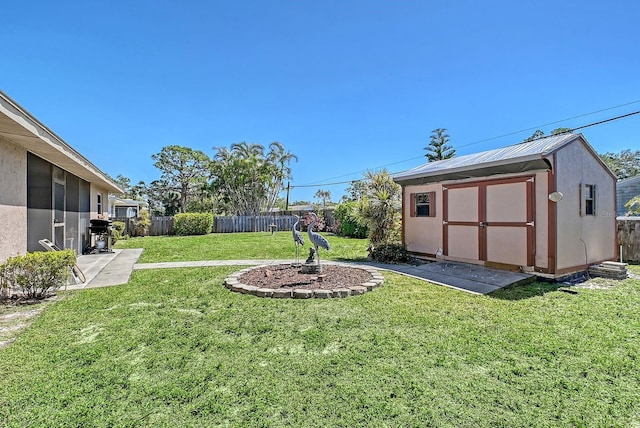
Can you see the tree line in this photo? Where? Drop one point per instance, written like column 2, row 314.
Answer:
column 247, row 178
column 243, row 179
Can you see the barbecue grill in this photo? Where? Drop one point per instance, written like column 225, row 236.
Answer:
column 100, row 235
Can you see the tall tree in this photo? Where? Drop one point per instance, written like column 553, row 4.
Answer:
column 355, row 191
column 131, row 191
column 162, row 198
column 537, row 134
column 279, row 159
column 540, row 134
column 248, row 180
column 439, row 148
column 624, row 164
column 324, row 197
column 184, row 170
column 138, row 191
column 124, row 183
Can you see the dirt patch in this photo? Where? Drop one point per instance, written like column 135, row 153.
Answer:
column 287, row 276
column 598, row 283
column 16, row 315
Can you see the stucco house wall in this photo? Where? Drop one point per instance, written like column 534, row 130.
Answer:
column 13, row 199
column 103, row 194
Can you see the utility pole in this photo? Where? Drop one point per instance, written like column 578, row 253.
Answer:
column 288, row 189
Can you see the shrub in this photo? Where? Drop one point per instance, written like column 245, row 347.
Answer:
column 389, row 253
column 37, row 275
column 142, row 223
column 320, row 225
column 193, row 223
column 118, row 231
column 349, row 223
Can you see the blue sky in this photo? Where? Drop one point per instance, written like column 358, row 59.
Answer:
column 345, row 85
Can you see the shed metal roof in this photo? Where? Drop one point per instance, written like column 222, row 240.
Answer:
column 520, row 157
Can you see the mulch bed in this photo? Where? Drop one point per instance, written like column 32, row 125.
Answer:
column 287, row 276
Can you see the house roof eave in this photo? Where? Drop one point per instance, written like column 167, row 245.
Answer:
column 21, row 128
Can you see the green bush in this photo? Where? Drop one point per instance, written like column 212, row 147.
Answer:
column 349, row 223
column 37, row 275
column 118, row 231
column 193, row 223
column 389, row 253
column 142, row 223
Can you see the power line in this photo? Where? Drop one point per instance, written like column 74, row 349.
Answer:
column 326, row 184
column 361, row 172
column 550, row 123
column 606, row 120
column 489, row 139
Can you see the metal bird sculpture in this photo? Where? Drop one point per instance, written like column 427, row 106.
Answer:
column 297, row 238
column 316, row 239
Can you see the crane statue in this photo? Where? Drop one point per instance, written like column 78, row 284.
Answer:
column 316, row 239
column 297, row 238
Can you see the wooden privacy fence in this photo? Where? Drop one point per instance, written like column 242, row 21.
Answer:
column 161, row 226
column 234, row 224
column 629, row 238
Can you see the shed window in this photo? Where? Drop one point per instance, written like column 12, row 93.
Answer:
column 589, row 199
column 423, row 204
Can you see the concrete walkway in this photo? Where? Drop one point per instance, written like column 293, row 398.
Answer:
column 115, row 268
column 107, row 269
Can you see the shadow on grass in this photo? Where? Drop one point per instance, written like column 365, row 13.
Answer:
column 519, row 292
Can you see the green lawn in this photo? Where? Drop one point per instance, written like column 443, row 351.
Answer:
column 239, row 246
column 175, row 348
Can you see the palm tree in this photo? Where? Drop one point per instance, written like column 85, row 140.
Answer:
column 247, row 179
column 250, row 173
column 247, row 151
column 379, row 206
column 324, row 196
column 278, row 159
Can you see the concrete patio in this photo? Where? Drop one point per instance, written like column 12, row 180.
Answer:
column 462, row 276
